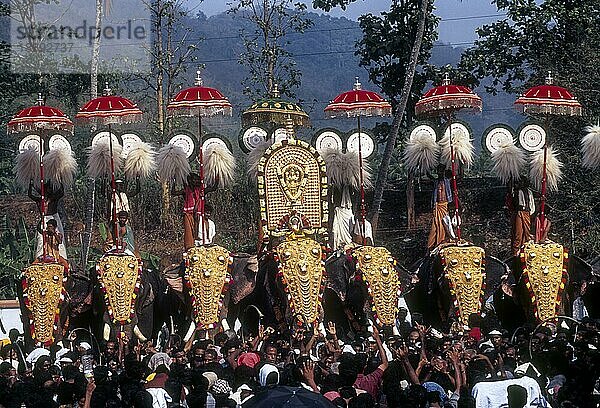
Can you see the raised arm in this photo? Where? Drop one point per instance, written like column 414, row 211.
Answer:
column 384, row 360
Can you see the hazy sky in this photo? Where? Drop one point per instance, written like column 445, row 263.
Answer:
column 458, row 27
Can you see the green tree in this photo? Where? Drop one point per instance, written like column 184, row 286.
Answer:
column 266, row 55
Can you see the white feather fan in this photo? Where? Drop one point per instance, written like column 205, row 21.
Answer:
column 334, row 162
column 140, row 161
column 254, row 158
column 60, row 166
column 172, row 164
column 27, row 167
column 553, row 169
column 421, row 154
column 464, row 151
column 590, row 146
column 99, row 160
column 508, row 161
column 219, row 166
column 352, row 171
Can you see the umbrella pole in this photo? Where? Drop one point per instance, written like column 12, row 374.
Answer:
column 454, row 185
column 113, row 186
column 362, row 227
column 542, row 216
column 201, row 174
column 42, row 198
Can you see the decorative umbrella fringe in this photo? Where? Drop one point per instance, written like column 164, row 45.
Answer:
column 436, row 104
column 110, row 118
column 551, row 109
column 181, row 110
column 353, row 112
column 254, row 118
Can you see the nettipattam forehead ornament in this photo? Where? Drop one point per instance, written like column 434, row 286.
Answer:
column 545, row 275
column 207, row 274
column 464, row 269
column 378, row 269
column 119, row 277
column 43, row 292
column 302, row 271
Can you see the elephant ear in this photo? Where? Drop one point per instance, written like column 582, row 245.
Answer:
column 494, row 270
column 243, row 273
column 579, row 269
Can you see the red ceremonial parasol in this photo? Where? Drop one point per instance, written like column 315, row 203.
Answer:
column 445, row 100
column 107, row 110
column 547, row 99
column 200, row 101
column 40, row 118
column 354, row 104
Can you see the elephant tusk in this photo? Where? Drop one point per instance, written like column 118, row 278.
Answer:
column 225, row 324
column 138, row 333
column 106, row 332
column 190, row 331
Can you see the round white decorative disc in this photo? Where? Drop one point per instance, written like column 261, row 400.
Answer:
column 59, row 142
column 254, row 136
column 459, row 131
column 532, row 137
column 280, row 134
column 185, row 142
column 30, row 142
column 102, row 137
column 212, row 141
column 328, row 140
column 129, row 141
column 367, row 145
column 423, row 131
column 498, row 137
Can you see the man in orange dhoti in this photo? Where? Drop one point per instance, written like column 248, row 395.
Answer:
column 441, row 225
column 523, row 206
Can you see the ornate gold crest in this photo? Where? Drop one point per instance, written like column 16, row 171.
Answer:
column 301, row 269
column 464, row 269
column 43, row 293
column 379, row 272
column 292, row 178
column 119, row 277
column 545, row 275
column 206, row 274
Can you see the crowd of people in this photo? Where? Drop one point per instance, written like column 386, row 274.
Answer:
column 413, row 366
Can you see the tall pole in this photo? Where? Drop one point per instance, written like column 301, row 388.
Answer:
column 42, row 190
column 362, row 227
column 113, row 185
column 454, row 185
column 201, row 174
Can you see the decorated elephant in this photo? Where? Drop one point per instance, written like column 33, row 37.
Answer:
column 542, row 284
column 454, row 283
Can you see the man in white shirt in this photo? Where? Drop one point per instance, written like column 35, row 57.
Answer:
column 362, row 233
column 206, row 227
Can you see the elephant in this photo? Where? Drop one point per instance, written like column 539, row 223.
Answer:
column 432, row 296
column 513, row 302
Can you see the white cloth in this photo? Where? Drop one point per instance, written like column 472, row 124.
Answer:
column 343, row 219
column 264, row 373
column 160, row 398
column 495, row 395
column 209, row 235
column 523, row 202
column 357, row 229
column 121, row 201
column 62, row 249
column 36, row 354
